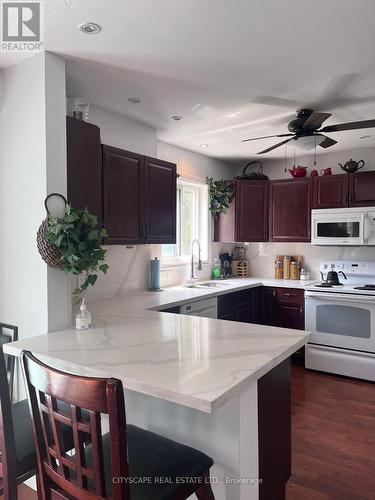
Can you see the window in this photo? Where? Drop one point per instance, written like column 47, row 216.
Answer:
column 192, row 221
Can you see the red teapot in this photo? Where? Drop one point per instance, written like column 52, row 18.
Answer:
column 326, row 171
column 298, row 171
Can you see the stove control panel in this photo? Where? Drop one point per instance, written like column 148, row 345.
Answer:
column 349, row 267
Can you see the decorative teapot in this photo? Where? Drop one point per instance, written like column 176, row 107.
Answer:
column 326, row 171
column 351, row 166
column 299, row 171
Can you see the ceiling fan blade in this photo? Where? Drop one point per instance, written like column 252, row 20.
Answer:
column 315, row 120
column 274, row 147
column 349, row 126
column 267, row 137
column 327, row 143
column 276, row 101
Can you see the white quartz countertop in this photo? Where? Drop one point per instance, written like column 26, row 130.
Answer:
column 195, row 362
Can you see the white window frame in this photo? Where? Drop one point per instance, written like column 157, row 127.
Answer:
column 202, row 223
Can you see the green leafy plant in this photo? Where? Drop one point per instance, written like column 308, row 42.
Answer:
column 78, row 238
column 221, row 194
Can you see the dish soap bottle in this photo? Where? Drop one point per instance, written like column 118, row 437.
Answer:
column 83, row 317
column 216, row 270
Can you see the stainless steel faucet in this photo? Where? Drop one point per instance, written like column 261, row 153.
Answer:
column 199, row 267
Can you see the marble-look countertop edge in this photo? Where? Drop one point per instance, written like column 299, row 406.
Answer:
column 144, row 305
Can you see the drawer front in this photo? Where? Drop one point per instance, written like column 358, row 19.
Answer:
column 290, row 295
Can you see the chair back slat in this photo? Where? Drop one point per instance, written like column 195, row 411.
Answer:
column 73, row 474
column 97, row 448
column 78, row 445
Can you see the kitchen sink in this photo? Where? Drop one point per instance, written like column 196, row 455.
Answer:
column 208, row 284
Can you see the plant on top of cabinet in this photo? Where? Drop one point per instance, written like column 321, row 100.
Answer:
column 220, row 195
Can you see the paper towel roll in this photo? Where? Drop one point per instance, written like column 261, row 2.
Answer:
column 154, row 274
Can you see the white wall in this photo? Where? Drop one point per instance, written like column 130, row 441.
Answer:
column 193, row 165
column 26, row 174
column 59, row 291
column 23, row 181
column 121, row 132
column 275, row 169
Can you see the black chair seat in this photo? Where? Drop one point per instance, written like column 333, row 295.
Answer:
column 23, row 435
column 153, row 456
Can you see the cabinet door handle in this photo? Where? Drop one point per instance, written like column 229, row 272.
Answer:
column 148, row 231
column 290, row 295
column 274, row 293
column 143, row 231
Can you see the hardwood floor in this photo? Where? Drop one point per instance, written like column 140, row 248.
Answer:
column 333, row 437
column 25, row 493
column 333, row 434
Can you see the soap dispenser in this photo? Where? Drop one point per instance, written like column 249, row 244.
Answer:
column 83, row 317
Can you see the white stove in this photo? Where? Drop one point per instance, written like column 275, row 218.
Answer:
column 342, row 321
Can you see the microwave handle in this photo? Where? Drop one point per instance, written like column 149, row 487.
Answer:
column 366, row 229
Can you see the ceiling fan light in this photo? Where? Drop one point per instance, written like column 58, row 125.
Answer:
column 307, row 142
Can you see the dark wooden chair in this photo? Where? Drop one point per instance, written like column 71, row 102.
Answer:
column 17, row 449
column 128, row 463
column 9, row 333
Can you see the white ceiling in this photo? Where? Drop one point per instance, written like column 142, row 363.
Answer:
column 232, row 69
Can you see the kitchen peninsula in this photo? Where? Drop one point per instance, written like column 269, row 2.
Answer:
column 220, row 386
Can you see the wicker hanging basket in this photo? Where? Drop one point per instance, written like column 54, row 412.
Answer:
column 255, row 174
column 49, row 253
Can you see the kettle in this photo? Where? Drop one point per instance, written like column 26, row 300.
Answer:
column 299, row 171
column 332, row 277
column 352, row 166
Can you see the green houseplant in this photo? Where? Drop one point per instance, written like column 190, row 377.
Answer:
column 78, row 237
column 220, row 195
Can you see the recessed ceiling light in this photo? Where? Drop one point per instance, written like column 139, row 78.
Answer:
column 90, row 28
column 204, row 145
column 134, row 100
column 177, row 118
column 365, row 136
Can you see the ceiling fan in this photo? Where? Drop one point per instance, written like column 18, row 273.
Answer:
column 305, row 132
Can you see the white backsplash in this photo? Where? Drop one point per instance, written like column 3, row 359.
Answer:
column 128, row 270
column 262, row 256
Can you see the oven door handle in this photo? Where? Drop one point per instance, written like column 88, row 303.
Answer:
column 340, row 297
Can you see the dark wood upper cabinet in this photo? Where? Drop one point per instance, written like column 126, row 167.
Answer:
column 247, row 218
column 331, row 191
column 160, row 201
column 123, row 181
column 290, row 210
column 362, row 189
column 84, row 174
column 139, row 198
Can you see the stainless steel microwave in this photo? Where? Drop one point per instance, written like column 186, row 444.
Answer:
column 343, row 226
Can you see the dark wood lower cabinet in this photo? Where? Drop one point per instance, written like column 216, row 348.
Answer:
column 274, row 431
column 239, row 306
column 283, row 307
